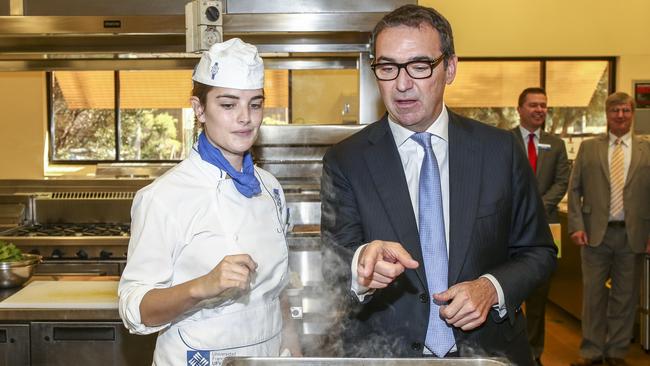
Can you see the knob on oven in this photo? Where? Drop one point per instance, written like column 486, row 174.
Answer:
column 105, row 254
column 56, row 254
column 81, row 254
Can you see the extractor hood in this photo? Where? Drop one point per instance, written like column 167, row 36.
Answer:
column 125, row 29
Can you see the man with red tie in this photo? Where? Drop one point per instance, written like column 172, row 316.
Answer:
column 548, row 159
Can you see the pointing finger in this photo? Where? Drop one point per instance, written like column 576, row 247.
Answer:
column 367, row 260
column 397, row 253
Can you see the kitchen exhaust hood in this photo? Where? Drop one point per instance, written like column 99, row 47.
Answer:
column 38, row 30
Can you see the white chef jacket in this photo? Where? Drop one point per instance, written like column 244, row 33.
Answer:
column 183, row 224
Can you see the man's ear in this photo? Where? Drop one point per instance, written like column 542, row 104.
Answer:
column 198, row 109
column 450, row 72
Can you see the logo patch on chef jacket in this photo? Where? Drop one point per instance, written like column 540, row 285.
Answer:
column 276, row 196
column 216, row 358
column 198, row 358
column 214, row 70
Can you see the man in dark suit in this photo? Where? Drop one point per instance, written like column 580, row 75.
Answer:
column 435, row 216
column 548, row 159
column 609, row 207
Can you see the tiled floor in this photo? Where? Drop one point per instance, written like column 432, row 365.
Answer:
column 563, row 341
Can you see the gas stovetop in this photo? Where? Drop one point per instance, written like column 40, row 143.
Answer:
column 85, row 241
column 71, row 230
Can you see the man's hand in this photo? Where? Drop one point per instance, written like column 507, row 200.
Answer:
column 468, row 303
column 580, row 238
column 380, row 262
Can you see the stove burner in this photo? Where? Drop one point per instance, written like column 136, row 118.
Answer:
column 70, row 230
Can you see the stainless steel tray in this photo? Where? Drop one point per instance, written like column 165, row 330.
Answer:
column 309, row 361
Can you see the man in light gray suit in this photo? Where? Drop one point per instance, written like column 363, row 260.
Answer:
column 548, row 159
column 609, row 207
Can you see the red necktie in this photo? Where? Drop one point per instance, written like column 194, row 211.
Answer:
column 532, row 152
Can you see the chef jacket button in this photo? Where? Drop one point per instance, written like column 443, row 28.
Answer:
column 416, row 346
column 235, row 237
column 278, row 230
column 424, row 298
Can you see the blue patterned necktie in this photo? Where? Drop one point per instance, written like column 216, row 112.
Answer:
column 440, row 337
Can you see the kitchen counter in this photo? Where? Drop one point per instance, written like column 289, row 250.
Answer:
column 74, row 323
column 57, row 314
column 566, row 283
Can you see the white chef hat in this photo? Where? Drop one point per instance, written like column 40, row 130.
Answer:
column 231, row 64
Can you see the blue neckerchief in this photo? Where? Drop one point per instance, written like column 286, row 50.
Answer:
column 245, row 181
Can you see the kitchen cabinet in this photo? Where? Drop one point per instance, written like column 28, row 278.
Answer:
column 88, row 343
column 14, row 344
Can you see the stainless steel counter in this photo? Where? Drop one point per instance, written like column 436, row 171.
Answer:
column 279, row 361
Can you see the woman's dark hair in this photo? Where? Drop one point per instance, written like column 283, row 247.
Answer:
column 200, row 91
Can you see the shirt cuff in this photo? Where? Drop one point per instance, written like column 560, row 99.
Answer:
column 501, row 306
column 359, row 290
column 129, row 310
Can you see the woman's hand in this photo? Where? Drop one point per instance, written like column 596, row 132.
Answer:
column 233, row 272
column 163, row 305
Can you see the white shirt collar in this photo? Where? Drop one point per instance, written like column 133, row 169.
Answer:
column 439, row 127
column 625, row 139
column 525, row 133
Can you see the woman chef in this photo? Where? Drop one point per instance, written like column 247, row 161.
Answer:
column 208, row 259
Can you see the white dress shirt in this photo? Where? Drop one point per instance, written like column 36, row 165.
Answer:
column 525, row 133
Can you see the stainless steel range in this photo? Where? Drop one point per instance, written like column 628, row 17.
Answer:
column 76, row 232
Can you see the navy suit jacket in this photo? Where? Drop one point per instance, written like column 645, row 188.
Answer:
column 497, row 226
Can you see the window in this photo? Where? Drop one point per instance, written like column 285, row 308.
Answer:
column 145, row 115
column 83, row 115
column 120, row 116
column 576, row 92
column 488, row 90
column 134, row 115
column 155, row 114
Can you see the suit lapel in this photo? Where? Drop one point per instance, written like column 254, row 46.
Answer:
column 541, row 153
column 385, row 166
column 635, row 159
column 464, row 178
column 603, row 146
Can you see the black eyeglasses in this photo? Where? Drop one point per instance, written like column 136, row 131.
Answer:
column 419, row 69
